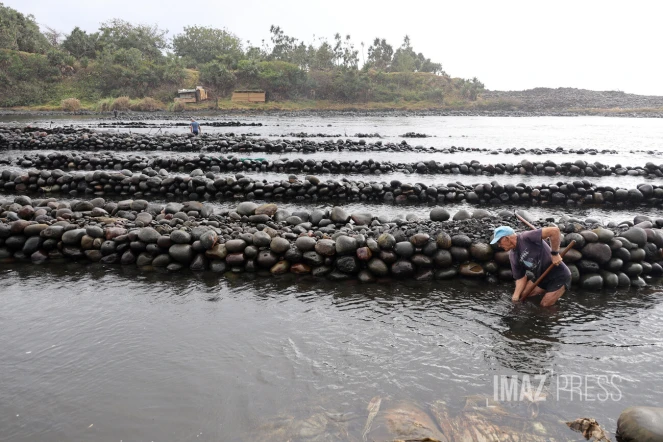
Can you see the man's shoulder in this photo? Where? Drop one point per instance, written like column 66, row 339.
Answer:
column 534, row 236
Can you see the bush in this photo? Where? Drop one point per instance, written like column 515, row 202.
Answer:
column 104, row 105
column 147, row 104
column 70, row 104
column 178, row 106
column 120, row 104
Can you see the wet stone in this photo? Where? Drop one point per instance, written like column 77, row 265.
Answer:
column 279, row 245
column 404, row 249
column 235, row 245
column 439, row 214
column 443, row 240
column 481, row 251
column 461, row 241
column 148, row 235
column 364, row 254
column 460, row 254
column 402, row 268
column 305, row 243
column 180, row 237
column 347, row 264
column 386, row 241
column 346, row 245
column 591, row 281
column 325, row 247
column 280, row 268
column 266, row 209
column 339, row 216
column 597, row 251
column 471, row 269
column 419, row 240
column 636, row 235
column 246, row 208
column 73, row 237
column 182, row 253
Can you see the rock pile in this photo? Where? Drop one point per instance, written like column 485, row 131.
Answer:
column 199, row 185
column 211, row 163
column 330, row 243
column 144, row 125
column 29, row 138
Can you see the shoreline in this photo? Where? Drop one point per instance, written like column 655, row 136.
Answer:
column 348, row 111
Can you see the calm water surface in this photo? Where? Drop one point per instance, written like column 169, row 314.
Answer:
column 109, row 354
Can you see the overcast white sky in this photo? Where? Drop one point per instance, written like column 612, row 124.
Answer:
column 509, row 45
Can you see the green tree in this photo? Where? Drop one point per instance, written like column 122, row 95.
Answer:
column 248, row 72
column 323, row 58
column 217, row 77
column 118, row 34
column 81, row 44
column 173, row 71
column 283, row 45
column 204, row 44
column 404, row 58
column 20, row 32
column 380, row 54
column 283, row 80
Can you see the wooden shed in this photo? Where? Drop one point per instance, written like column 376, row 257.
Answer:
column 249, row 96
column 191, row 95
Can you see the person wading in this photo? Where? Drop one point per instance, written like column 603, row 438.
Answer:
column 530, row 254
column 195, row 127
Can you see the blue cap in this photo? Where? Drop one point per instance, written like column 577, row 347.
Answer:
column 501, row 232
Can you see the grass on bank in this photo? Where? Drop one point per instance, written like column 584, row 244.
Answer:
column 148, row 104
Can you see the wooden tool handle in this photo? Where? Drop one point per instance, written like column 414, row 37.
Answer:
column 524, row 221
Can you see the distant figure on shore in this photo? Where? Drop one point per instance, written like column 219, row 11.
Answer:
column 115, row 113
column 195, row 127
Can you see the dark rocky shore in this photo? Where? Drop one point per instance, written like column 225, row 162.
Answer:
column 329, row 243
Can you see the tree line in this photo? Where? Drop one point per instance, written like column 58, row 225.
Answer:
column 137, row 60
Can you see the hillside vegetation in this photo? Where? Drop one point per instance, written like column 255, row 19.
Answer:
column 122, row 59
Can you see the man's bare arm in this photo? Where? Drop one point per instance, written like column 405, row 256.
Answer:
column 555, row 240
column 518, row 291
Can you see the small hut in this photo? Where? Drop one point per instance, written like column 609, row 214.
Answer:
column 249, row 96
column 191, row 95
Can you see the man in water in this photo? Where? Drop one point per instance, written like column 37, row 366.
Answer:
column 195, row 127
column 529, row 253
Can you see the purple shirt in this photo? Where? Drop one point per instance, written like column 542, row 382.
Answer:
column 532, row 254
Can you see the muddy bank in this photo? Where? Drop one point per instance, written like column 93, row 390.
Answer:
column 210, row 163
column 324, row 243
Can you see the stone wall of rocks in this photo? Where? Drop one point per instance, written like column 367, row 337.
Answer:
column 211, row 163
column 209, row 186
column 323, row 243
column 29, row 138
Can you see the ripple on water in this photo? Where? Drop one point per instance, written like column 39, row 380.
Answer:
column 151, row 355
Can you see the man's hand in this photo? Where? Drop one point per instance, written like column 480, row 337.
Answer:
column 556, row 260
column 515, row 297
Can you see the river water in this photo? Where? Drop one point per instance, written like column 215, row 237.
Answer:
column 113, row 354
